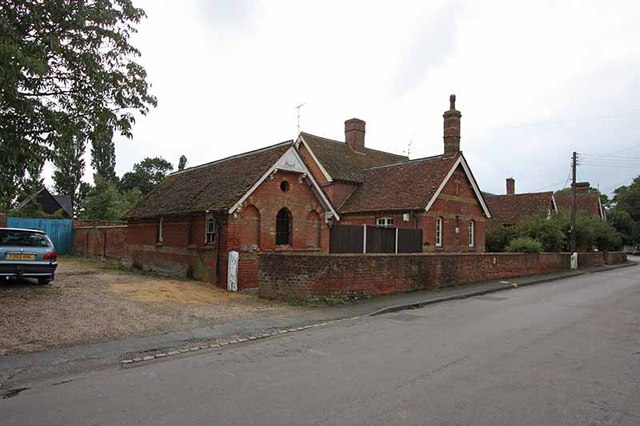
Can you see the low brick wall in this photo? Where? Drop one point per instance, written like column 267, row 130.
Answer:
column 107, row 242
column 615, row 258
column 588, row 260
column 3, row 220
column 305, row 277
column 190, row 262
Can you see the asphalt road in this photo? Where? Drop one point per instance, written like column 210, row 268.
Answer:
column 565, row 352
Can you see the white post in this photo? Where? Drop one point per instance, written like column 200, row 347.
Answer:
column 364, row 240
column 574, row 261
column 232, row 271
column 396, row 240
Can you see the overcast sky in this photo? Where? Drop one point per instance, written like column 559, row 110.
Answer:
column 534, row 81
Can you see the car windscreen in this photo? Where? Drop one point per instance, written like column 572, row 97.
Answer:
column 10, row 237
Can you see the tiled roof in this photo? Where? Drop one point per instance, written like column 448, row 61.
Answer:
column 588, row 202
column 341, row 162
column 408, row 185
column 511, row 209
column 213, row 186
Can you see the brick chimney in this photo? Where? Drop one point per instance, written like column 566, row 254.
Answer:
column 582, row 187
column 354, row 134
column 452, row 129
column 511, row 186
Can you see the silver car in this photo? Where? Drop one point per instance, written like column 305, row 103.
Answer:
column 27, row 253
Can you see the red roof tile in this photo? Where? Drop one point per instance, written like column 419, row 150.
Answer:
column 589, row 203
column 511, row 209
column 341, row 162
column 215, row 186
column 408, row 185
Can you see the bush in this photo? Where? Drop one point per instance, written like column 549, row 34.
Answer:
column 544, row 230
column 498, row 237
column 591, row 232
column 524, row 245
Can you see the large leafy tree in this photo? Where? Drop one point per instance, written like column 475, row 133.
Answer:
column 103, row 157
column 66, row 67
column 69, row 162
column 552, row 234
column 627, row 198
column 105, row 202
column 146, row 174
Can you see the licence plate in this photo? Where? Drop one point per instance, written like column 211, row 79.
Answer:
column 20, row 256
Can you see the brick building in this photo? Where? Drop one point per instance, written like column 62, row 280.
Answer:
column 586, row 201
column 285, row 198
column 511, row 208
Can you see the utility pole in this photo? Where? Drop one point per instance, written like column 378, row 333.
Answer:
column 573, row 201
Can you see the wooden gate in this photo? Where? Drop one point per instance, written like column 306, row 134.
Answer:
column 371, row 239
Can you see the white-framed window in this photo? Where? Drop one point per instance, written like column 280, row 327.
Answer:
column 472, row 233
column 439, row 232
column 210, row 231
column 384, row 221
column 160, row 223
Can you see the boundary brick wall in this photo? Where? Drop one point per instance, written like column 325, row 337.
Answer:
column 107, row 242
column 3, row 220
column 588, row 260
column 614, row 257
column 308, row 277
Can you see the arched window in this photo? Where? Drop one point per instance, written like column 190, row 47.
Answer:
column 472, row 233
column 283, row 227
column 439, row 232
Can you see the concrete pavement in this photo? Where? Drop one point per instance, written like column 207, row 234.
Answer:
column 567, row 353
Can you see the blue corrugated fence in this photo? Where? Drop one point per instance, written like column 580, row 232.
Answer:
column 59, row 230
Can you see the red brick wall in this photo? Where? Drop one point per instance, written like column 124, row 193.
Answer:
column 292, row 276
column 615, row 258
column 587, row 260
column 100, row 241
column 3, row 220
column 457, row 205
column 267, row 200
column 182, row 252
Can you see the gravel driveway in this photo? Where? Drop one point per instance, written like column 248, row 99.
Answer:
column 89, row 302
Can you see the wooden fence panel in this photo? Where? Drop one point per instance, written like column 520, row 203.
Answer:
column 381, row 240
column 350, row 239
column 346, row 239
column 409, row 240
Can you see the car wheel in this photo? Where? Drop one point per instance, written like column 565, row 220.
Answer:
column 44, row 280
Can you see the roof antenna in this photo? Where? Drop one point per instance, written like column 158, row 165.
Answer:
column 298, row 108
column 409, row 146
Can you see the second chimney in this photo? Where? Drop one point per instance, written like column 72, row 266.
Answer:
column 452, row 129
column 354, row 134
column 582, row 187
column 511, row 186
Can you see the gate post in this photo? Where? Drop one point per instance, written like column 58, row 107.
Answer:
column 232, row 271
column 364, row 240
column 396, row 240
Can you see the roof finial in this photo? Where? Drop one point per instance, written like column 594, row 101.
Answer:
column 452, row 102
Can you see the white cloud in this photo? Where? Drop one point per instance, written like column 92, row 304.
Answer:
column 229, row 74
